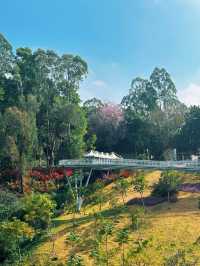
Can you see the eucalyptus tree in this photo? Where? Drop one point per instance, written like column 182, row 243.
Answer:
column 10, row 81
column 58, row 81
column 155, row 104
column 54, row 81
column 141, row 97
column 92, row 105
column 6, row 58
column 164, row 87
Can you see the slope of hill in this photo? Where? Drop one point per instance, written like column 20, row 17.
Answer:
column 167, row 234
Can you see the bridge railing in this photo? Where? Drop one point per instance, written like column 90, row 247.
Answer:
column 131, row 163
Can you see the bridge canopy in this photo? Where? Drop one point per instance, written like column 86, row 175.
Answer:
column 101, row 155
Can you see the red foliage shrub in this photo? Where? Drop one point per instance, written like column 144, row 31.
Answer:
column 55, row 174
column 69, row 172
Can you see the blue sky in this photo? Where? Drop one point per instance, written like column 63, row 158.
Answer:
column 120, row 39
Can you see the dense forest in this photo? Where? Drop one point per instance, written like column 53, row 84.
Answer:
column 43, row 120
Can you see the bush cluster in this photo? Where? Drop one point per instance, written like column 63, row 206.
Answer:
column 167, row 185
column 21, row 221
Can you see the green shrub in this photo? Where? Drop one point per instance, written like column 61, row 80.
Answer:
column 61, row 197
column 12, row 235
column 167, row 185
column 75, row 260
column 37, row 210
column 9, row 205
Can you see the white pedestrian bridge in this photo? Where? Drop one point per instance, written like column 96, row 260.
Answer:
column 109, row 164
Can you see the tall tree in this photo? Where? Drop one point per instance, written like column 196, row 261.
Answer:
column 9, row 75
column 141, row 98
column 165, row 88
column 19, row 136
column 54, row 81
column 152, row 106
column 6, row 57
column 188, row 136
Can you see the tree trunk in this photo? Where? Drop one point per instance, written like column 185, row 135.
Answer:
column 79, row 203
column 21, row 181
column 19, row 253
column 123, row 198
column 123, row 255
column 168, row 196
column 107, row 251
column 88, row 179
column 141, row 195
column 21, row 174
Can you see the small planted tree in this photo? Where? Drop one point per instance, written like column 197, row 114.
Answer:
column 105, row 231
column 74, row 259
column 100, row 200
column 122, row 187
column 73, row 239
column 136, row 218
column 167, row 185
column 122, row 238
column 98, row 220
column 137, row 252
column 139, row 185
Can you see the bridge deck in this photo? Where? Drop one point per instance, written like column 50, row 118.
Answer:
column 106, row 164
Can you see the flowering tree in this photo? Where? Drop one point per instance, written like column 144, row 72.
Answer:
column 111, row 113
column 104, row 123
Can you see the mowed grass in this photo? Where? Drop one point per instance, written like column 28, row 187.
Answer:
column 168, row 227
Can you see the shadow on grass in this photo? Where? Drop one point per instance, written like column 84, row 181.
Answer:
column 108, row 213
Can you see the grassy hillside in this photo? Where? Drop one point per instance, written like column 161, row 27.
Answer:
column 168, row 232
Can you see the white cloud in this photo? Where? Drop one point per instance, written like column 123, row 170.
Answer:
column 190, row 95
column 99, row 83
column 95, row 88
